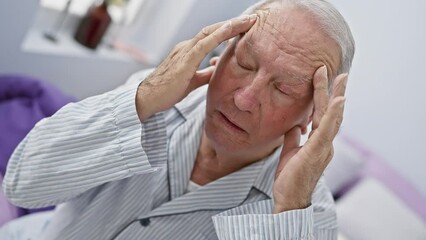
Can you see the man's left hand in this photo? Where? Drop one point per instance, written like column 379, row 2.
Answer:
column 301, row 167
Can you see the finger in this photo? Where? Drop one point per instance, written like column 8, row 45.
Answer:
column 321, row 97
column 206, row 31
column 229, row 30
column 339, row 86
column 292, row 139
column 321, row 141
column 177, row 49
column 202, row 77
column 214, row 60
column 304, row 130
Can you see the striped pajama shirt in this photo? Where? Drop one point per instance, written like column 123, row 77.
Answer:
column 112, row 177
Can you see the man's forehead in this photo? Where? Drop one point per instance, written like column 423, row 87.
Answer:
column 280, row 19
column 264, row 16
column 274, row 13
column 267, row 26
column 290, row 75
column 253, row 45
column 291, row 29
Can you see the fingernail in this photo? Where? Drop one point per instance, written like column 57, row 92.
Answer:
column 345, row 79
column 342, row 103
column 253, row 17
column 324, row 71
column 244, row 18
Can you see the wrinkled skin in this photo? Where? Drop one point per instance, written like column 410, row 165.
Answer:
column 269, row 84
column 263, row 82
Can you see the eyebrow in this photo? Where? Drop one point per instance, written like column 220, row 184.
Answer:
column 246, row 47
column 298, row 81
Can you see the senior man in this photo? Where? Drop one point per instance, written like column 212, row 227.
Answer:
column 167, row 159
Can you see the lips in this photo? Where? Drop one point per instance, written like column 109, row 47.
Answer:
column 230, row 122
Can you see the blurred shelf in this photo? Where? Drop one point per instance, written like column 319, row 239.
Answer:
column 36, row 42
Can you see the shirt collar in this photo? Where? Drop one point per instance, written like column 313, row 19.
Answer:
column 265, row 179
column 195, row 105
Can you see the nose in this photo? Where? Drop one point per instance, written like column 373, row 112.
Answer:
column 247, row 98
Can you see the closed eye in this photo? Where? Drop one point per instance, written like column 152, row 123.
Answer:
column 244, row 67
column 281, row 90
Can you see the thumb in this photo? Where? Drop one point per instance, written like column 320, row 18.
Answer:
column 202, row 77
column 292, row 139
column 291, row 145
column 214, row 60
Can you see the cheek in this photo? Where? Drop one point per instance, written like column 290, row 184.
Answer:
column 273, row 124
column 224, row 80
column 277, row 123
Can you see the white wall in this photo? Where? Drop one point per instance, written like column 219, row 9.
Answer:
column 98, row 75
column 386, row 89
column 385, row 95
column 79, row 76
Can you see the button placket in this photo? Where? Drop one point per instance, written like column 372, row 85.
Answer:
column 145, row 222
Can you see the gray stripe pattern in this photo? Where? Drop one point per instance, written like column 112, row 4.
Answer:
column 112, row 177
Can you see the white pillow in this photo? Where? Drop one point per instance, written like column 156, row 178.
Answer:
column 371, row 211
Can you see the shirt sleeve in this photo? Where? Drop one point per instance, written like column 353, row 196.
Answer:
column 83, row 145
column 256, row 220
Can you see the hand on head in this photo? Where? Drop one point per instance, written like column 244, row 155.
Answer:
column 177, row 75
column 301, row 167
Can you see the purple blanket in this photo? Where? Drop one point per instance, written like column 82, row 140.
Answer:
column 23, row 102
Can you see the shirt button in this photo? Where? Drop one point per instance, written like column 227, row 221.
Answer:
column 144, row 222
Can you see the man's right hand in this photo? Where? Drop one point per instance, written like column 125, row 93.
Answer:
column 177, row 75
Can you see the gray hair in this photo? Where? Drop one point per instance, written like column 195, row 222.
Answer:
column 331, row 21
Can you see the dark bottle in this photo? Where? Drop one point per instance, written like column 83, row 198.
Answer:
column 93, row 26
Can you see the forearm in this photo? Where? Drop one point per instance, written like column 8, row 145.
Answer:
column 149, row 99
column 82, row 146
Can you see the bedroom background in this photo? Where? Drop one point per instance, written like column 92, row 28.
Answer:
column 384, row 113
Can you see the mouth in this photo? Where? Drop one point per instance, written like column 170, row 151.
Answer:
column 230, row 123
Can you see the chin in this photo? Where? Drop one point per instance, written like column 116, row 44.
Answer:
column 223, row 141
